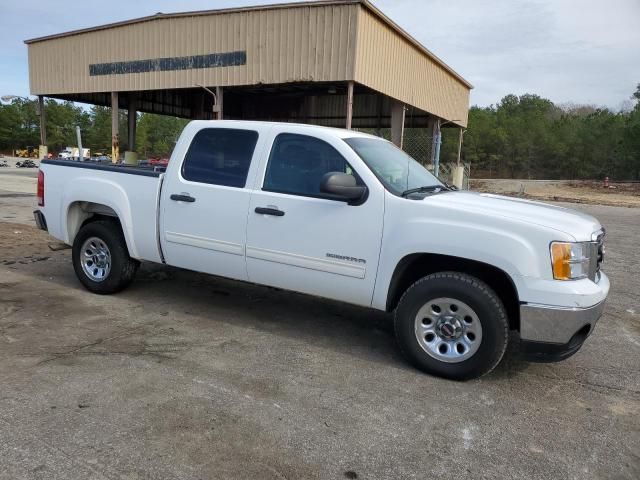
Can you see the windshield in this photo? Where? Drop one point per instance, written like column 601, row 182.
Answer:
column 394, row 168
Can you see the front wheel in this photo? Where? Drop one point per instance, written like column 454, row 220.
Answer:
column 101, row 259
column 452, row 325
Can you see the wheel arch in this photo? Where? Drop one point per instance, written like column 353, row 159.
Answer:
column 80, row 213
column 89, row 195
column 414, row 266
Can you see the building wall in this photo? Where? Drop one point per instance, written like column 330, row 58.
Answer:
column 327, row 42
column 308, row 43
column 391, row 64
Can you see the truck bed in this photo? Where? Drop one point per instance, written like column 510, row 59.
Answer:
column 149, row 171
column 75, row 190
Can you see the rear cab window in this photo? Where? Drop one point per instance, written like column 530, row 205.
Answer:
column 220, row 156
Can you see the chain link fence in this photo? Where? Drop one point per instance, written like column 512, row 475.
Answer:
column 378, row 132
column 419, row 144
column 446, row 174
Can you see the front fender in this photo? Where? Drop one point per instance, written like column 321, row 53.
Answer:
column 517, row 252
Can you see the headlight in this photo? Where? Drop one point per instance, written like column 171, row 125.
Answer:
column 570, row 261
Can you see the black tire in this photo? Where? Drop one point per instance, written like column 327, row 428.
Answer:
column 478, row 296
column 122, row 268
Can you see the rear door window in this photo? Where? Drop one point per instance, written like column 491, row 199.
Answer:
column 220, row 156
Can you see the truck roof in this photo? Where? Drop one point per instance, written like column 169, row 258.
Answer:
column 338, row 132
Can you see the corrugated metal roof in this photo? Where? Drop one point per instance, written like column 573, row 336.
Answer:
column 319, row 3
column 238, row 48
column 389, row 63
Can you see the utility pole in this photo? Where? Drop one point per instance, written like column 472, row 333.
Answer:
column 80, row 152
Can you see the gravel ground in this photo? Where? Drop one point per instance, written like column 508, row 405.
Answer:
column 17, row 180
column 585, row 192
column 184, row 376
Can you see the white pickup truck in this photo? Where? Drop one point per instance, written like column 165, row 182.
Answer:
column 346, row 216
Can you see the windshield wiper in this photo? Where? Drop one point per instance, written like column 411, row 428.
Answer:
column 427, row 188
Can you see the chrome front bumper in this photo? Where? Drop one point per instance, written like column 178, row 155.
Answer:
column 552, row 334
column 550, row 324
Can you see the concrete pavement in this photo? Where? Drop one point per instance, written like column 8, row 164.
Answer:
column 186, row 376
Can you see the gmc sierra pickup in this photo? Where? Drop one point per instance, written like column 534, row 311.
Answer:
column 346, row 216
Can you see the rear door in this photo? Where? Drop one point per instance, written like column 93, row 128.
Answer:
column 205, row 201
column 297, row 237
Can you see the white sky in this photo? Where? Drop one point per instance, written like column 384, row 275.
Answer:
column 580, row 51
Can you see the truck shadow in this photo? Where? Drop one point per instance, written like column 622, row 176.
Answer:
column 197, row 302
column 358, row 331
column 346, row 328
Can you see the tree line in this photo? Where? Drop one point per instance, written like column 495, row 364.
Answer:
column 520, row 137
column 531, row 137
column 156, row 135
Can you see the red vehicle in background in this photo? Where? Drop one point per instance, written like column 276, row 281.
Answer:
column 159, row 162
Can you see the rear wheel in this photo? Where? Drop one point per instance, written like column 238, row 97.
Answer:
column 101, row 259
column 452, row 325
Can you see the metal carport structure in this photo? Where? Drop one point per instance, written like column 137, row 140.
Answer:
column 334, row 62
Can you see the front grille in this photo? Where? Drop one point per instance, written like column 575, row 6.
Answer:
column 597, row 255
column 600, row 256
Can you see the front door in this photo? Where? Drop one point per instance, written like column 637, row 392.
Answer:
column 299, row 239
column 205, row 202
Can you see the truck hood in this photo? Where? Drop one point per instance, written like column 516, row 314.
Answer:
column 571, row 222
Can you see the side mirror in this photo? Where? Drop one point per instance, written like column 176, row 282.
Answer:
column 342, row 186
